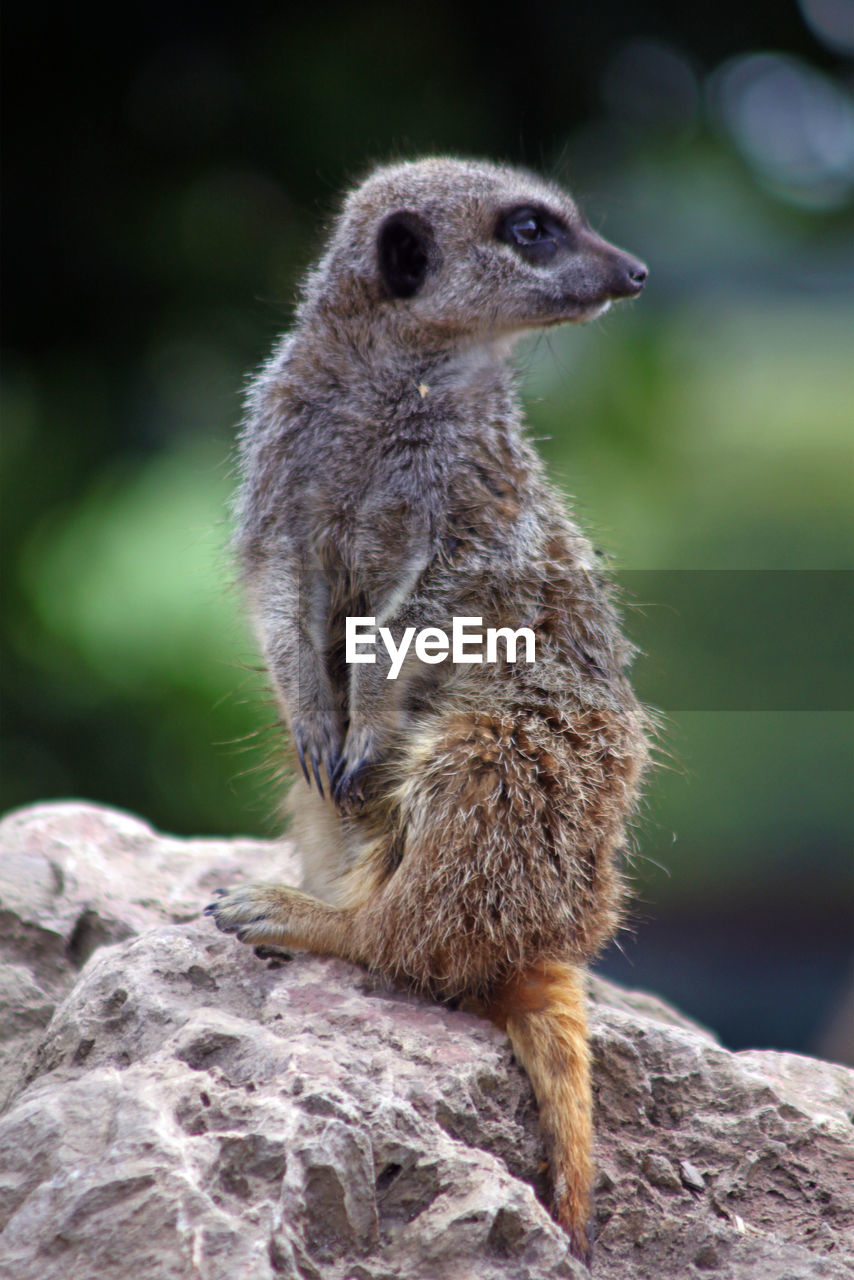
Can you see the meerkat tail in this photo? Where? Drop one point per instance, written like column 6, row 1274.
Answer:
column 544, row 1014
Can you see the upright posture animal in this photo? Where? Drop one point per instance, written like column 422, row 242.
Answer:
column 462, row 822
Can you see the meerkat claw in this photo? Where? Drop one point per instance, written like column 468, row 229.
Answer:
column 301, row 758
column 316, row 751
column 315, row 768
column 225, row 906
column 335, row 762
column 211, row 908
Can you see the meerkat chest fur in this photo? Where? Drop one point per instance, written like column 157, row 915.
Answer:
column 363, row 464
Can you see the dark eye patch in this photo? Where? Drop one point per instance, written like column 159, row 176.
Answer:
column 533, row 232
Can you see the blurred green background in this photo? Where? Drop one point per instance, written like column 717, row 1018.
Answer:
column 169, row 174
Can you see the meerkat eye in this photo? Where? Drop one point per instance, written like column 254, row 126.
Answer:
column 533, row 232
column 528, row 231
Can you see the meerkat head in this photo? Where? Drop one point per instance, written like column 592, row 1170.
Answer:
column 468, row 250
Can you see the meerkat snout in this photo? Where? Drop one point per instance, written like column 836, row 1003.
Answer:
column 618, row 274
column 628, row 276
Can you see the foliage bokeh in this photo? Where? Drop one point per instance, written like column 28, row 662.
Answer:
column 169, row 175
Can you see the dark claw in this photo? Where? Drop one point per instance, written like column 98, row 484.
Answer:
column 334, row 761
column 211, row 908
column 272, row 953
column 301, row 756
column 315, row 761
column 340, row 783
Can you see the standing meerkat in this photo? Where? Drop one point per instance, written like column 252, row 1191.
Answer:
column 461, row 822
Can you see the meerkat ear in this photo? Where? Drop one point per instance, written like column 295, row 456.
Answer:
column 405, row 249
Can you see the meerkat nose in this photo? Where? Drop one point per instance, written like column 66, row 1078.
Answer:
column 629, row 277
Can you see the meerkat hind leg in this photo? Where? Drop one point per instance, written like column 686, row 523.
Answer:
column 275, row 916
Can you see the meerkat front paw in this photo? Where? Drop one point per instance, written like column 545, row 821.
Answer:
column 361, row 753
column 257, row 914
column 318, row 741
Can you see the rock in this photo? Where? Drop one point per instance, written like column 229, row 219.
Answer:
column 691, row 1177
column 659, row 1172
column 75, row 876
column 177, row 1107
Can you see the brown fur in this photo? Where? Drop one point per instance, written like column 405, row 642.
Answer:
column 461, row 825
column 545, row 1017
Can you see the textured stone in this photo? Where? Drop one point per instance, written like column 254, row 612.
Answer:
column 691, row 1177
column 179, row 1108
column 76, row 876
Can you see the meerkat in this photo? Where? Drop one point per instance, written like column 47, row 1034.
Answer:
column 463, row 823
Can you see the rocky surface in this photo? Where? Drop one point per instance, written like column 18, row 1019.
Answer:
column 176, row 1107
